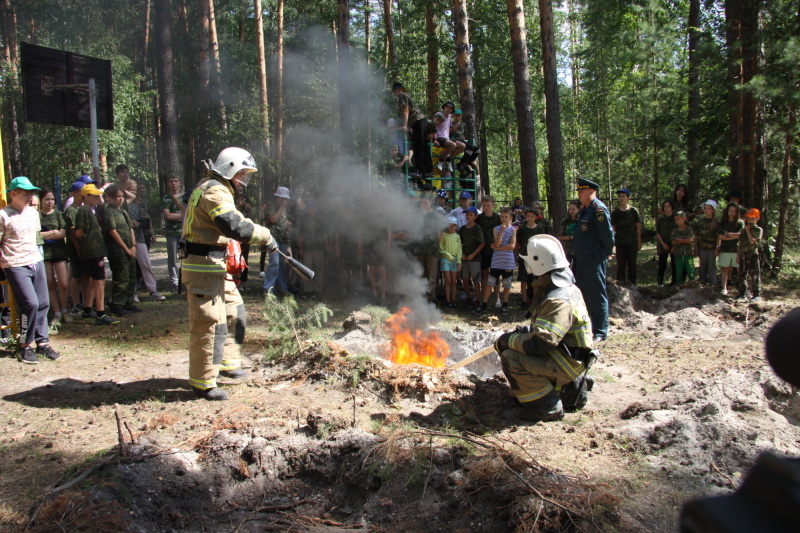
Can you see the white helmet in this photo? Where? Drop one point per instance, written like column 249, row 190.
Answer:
column 231, row 161
column 545, row 254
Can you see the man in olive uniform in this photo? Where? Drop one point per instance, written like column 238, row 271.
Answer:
column 593, row 244
column 217, row 317
column 414, row 123
column 538, row 363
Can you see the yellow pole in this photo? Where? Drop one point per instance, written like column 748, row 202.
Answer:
column 9, row 301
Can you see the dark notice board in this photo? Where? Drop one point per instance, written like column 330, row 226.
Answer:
column 44, row 67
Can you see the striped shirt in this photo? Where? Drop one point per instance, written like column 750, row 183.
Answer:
column 504, row 259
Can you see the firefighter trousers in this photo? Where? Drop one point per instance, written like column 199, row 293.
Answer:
column 532, row 377
column 217, row 323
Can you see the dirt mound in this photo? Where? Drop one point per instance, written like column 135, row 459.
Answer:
column 247, row 480
column 715, row 427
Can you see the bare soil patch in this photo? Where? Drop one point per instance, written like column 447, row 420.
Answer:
column 335, row 440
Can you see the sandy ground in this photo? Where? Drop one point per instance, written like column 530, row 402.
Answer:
column 682, row 406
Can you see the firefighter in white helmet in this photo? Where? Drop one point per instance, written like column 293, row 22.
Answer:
column 551, row 354
column 217, row 317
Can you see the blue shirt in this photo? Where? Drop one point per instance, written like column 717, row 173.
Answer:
column 593, row 233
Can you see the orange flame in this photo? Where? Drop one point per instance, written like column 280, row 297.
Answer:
column 412, row 345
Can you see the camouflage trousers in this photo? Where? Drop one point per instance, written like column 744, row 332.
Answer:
column 750, row 277
column 123, row 276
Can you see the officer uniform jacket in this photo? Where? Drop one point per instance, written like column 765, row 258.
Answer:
column 212, row 218
column 593, row 233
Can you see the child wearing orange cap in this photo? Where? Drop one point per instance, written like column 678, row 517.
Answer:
column 749, row 240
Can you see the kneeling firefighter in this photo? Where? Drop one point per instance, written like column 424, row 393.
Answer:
column 548, row 361
column 217, row 317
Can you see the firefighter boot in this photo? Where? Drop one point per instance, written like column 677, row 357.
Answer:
column 545, row 409
column 213, row 394
column 236, row 373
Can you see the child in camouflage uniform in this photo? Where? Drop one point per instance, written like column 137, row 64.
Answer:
column 749, row 240
column 121, row 248
column 705, row 229
column 627, row 236
column 664, row 227
column 682, row 239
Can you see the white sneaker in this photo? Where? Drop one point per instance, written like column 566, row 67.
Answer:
column 262, row 274
column 498, row 304
column 66, row 317
column 135, row 298
column 724, row 292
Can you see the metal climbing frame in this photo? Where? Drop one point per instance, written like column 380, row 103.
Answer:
column 457, row 184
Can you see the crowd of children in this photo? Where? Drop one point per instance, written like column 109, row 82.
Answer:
column 55, row 261
column 733, row 240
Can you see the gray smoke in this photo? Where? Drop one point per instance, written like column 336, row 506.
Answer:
column 352, row 201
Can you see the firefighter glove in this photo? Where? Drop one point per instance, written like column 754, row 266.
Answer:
column 502, row 342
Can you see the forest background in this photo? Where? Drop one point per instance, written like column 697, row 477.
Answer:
column 641, row 94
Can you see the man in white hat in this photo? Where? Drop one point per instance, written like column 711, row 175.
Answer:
column 276, row 219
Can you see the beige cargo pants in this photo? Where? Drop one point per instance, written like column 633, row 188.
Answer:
column 217, row 323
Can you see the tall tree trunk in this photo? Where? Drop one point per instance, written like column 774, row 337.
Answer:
column 464, row 67
column 557, row 193
column 170, row 161
column 480, row 101
column 432, row 47
column 14, row 164
column 522, row 101
column 391, row 63
column 203, row 83
column 367, row 33
column 279, row 82
column 345, row 89
column 742, row 18
column 262, row 74
column 786, row 168
column 692, row 134
column 143, row 120
column 575, row 71
column 216, row 70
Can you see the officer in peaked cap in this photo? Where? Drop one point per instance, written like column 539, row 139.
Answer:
column 593, row 244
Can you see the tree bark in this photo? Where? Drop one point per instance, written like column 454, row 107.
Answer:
column 279, row 82
column 786, row 168
column 345, row 91
column 170, row 161
column 522, row 101
column 391, row 53
column 432, row 47
column 692, row 134
column 367, row 32
column 14, row 163
column 464, row 67
column 748, row 171
column 557, row 194
column 262, row 74
column 203, row 83
column 216, row 67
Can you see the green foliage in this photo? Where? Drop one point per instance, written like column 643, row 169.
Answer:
column 287, row 324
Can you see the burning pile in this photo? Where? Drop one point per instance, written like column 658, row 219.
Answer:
column 410, row 344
